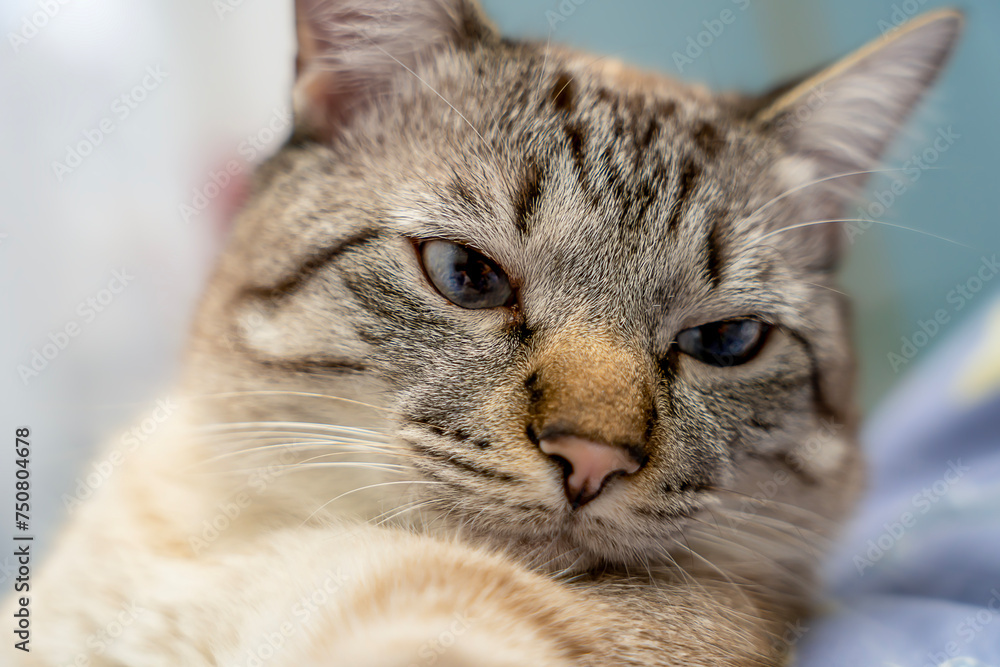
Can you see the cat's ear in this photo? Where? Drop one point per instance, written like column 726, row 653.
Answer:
column 843, row 118
column 348, row 50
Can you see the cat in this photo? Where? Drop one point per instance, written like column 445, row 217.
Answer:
column 516, row 356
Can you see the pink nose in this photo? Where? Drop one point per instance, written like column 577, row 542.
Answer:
column 590, row 465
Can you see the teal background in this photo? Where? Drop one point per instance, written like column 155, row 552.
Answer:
column 898, row 278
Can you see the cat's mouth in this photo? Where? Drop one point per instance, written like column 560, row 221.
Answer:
column 567, row 494
column 609, row 529
column 581, row 540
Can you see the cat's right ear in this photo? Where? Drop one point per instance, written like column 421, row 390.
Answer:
column 349, row 50
column 844, row 117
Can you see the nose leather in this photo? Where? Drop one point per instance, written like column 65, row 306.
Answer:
column 591, row 464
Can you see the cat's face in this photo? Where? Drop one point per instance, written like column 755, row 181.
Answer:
column 569, row 285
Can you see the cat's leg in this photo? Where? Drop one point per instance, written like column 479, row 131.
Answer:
column 364, row 597
column 420, row 602
column 348, row 595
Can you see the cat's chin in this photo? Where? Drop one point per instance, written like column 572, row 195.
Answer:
column 578, row 541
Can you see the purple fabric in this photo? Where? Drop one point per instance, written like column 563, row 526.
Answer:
column 917, row 580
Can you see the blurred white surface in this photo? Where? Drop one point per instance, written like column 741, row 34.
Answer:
column 114, row 114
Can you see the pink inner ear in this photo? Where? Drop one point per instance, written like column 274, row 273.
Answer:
column 322, row 104
column 231, row 198
column 349, row 50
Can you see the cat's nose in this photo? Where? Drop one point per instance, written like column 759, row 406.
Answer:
column 588, row 465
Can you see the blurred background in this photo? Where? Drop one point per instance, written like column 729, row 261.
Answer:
column 118, row 118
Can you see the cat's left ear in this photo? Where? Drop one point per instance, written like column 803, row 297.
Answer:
column 843, row 118
column 349, row 51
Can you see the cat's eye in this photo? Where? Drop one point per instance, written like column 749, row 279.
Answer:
column 465, row 277
column 727, row 343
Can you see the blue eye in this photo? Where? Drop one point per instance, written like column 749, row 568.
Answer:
column 464, row 276
column 728, row 343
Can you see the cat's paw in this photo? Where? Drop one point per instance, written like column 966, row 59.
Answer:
column 447, row 605
column 444, row 643
column 454, row 640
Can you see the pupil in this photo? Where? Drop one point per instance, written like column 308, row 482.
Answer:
column 734, row 337
column 475, row 275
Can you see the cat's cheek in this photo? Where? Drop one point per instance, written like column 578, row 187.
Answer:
column 824, row 452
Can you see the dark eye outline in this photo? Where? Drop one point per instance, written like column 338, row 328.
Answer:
column 689, row 339
column 420, row 245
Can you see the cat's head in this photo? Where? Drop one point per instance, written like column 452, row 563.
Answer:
column 594, row 305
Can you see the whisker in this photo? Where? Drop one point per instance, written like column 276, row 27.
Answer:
column 290, row 467
column 718, row 539
column 395, row 512
column 752, row 518
column 825, row 179
column 433, row 90
column 826, row 287
column 305, row 439
column 338, row 450
column 728, row 579
column 877, row 222
column 541, row 566
column 683, row 571
column 272, row 440
column 802, row 511
column 649, row 571
column 566, row 574
column 309, row 425
column 282, row 425
column 318, row 457
column 545, row 60
column 405, row 417
column 363, row 488
column 738, row 588
column 286, row 392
